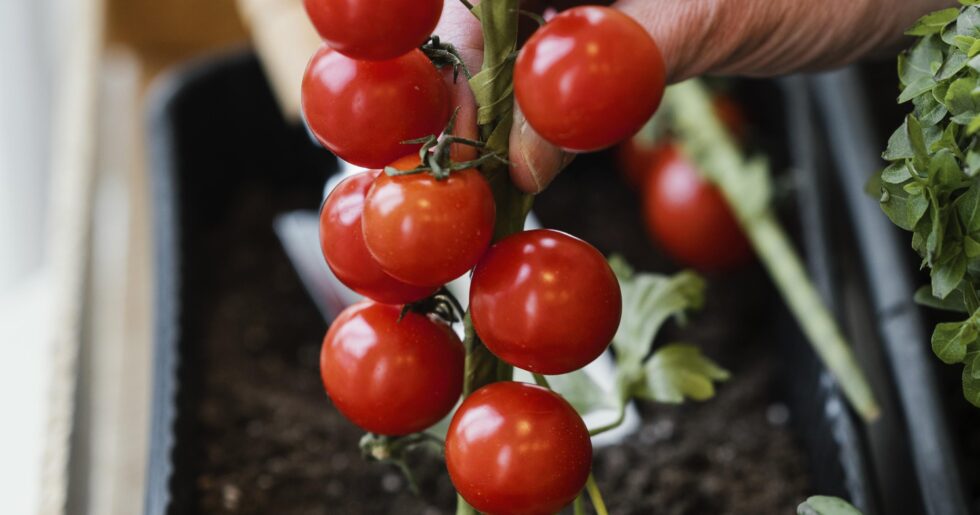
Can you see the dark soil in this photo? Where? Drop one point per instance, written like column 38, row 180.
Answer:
column 269, row 441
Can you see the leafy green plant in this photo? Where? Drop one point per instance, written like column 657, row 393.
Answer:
column 931, row 185
column 826, row 505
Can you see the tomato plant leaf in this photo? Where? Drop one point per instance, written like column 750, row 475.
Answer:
column 677, row 372
column 582, row 392
column 648, row 301
column 826, row 505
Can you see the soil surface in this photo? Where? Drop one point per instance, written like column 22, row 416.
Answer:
column 269, row 441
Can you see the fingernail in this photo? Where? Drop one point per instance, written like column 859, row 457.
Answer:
column 527, row 135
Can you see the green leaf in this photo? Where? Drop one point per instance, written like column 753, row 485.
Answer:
column 968, row 22
column 971, row 375
column 899, row 146
column 947, row 141
column 928, row 110
column 923, row 60
column 954, row 62
column 952, row 302
column 933, row 22
column 903, row 209
column 921, row 85
column 948, row 274
column 896, row 173
column 582, row 392
column 944, row 170
column 826, row 505
column 917, row 140
column 648, row 301
column 966, row 44
column 934, row 242
column 971, row 247
column 959, row 96
column 968, row 208
column 950, row 340
column 972, row 165
column 678, row 371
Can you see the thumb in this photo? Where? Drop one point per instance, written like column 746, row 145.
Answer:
column 534, row 161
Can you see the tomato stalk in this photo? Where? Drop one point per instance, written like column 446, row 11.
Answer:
column 745, row 185
column 493, row 90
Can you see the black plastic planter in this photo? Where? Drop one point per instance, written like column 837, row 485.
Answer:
column 214, row 126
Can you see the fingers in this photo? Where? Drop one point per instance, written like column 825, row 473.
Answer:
column 534, row 161
column 770, row 37
column 459, row 27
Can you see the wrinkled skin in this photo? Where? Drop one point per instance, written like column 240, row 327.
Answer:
column 726, row 37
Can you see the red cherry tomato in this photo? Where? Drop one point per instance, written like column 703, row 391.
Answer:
column 545, row 301
column 689, row 217
column 635, row 155
column 515, row 448
column 374, row 30
column 388, row 376
column 363, row 110
column 589, row 78
column 426, row 231
column 342, row 243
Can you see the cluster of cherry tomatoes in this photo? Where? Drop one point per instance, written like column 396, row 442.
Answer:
column 540, row 300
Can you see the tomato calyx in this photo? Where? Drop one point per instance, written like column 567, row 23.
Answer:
column 443, row 54
column 442, row 304
column 436, row 154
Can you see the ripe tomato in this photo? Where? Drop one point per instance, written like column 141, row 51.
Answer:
column 363, row 110
column 516, row 448
column 342, row 243
column 545, row 301
column 689, row 217
column 388, row 376
column 372, row 30
column 589, row 78
column 426, row 231
column 636, row 155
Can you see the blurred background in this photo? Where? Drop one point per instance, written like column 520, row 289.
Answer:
column 75, row 246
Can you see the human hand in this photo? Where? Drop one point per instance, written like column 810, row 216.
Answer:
column 728, row 37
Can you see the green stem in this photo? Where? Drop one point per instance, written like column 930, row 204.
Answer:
column 745, row 185
column 493, row 89
column 541, row 381
column 612, row 425
column 578, row 506
column 463, row 507
column 595, row 496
